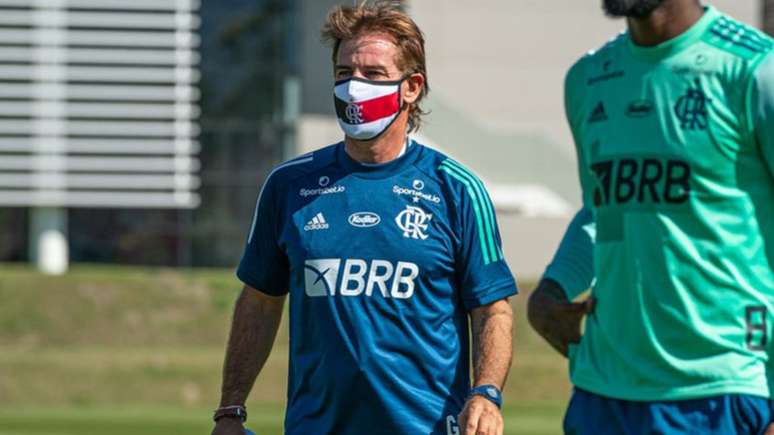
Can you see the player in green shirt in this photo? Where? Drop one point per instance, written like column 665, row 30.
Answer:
column 673, row 123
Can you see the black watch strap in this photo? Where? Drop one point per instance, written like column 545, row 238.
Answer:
column 234, row 411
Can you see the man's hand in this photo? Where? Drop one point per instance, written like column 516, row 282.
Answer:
column 555, row 318
column 492, row 332
column 229, row 426
column 480, row 417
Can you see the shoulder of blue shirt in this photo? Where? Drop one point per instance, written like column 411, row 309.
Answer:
column 430, row 162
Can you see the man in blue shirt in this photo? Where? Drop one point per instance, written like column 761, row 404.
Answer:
column 387, row 249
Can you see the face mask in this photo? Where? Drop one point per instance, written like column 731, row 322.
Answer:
column 365, row 108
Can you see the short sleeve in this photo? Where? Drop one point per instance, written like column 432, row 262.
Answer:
column 482, row 273
column 264, row 266
column 763, row 109
column 573, row 264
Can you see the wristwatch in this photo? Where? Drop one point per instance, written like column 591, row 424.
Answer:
column 488, row 392
column 235, row 411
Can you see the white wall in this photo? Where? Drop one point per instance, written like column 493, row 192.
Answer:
column 503, row 62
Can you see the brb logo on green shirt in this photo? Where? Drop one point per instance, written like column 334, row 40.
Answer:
column 641, row 180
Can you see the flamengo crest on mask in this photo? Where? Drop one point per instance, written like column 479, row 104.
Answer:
column 354, row 113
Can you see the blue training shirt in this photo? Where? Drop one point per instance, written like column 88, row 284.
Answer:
column 383, row 264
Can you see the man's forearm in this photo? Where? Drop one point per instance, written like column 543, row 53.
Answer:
column 542, row 315
column 554, row 317
column 492, row 328
column 256, row 320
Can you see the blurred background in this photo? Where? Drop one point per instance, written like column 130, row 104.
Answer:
column 135, row 135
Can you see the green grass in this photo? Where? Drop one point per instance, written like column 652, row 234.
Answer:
column 121, row 350
column 265, row 418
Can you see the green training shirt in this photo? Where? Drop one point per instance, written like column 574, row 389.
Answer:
column 676, row 158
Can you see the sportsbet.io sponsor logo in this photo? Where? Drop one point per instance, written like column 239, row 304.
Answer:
column 364, row 219
column 607, row 73
column 355, row 277
column 321, row 191
column 415, row 193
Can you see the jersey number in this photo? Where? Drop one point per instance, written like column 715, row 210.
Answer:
column 757, row 332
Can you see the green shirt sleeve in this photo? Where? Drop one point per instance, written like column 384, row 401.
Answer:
column 763, row 109
column 573, row 264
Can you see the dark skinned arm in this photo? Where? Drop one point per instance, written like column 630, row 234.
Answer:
column 554, row 317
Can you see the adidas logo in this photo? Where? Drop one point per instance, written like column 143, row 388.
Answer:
column 317, row 223
column 598, row 114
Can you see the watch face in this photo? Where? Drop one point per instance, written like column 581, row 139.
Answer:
column 492, row 392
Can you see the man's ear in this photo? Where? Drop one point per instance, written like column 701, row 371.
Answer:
column 412, row 88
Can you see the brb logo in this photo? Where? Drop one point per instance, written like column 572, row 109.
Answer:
column 325, row 277
column 413, row 221
column 647, row 180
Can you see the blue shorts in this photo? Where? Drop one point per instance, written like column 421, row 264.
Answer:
column 732, row 414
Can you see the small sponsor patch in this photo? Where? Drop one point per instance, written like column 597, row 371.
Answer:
column 364, row 219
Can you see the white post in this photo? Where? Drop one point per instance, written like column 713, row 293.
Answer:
column 48, row 239
column 48, row 225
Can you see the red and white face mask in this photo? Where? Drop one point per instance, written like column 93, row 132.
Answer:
column 365, row 108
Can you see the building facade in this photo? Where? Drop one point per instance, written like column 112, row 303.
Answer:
column 266, row 94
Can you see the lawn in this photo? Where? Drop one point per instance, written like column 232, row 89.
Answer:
column 129, row 350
